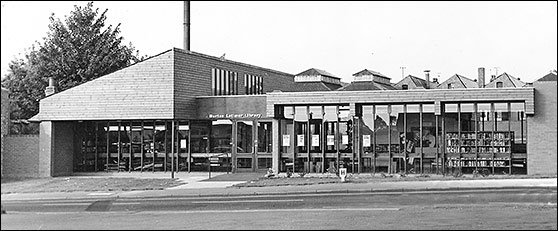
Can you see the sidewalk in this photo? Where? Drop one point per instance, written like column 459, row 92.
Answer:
column 199, row 185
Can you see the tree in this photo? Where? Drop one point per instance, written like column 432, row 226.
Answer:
column 74, row 52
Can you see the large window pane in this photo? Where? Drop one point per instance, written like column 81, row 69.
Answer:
column 182, row 139
column 265, row 133
column 199, row 140
column 398, row 145
column 136, row 145
column 102, row 144
column 148, row 146
column 221, row 136
column 381, row 131
column 244, row 136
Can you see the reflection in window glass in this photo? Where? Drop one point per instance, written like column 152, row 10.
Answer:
column 102, row 144
column 199, row 140
column 518, row 125
column 182, row 142
column 220, row 138
column 366, row 129
column 381, row 131
column 397, row 136
column 244, row 136
column 265, row 141
column 345, row 130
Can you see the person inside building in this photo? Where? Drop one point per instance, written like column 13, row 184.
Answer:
column 428, row 139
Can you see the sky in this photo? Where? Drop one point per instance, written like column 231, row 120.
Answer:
column 394, row 38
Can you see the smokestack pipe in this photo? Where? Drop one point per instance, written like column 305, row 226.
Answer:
column 481, row 77
column 50, row 89
column 427, row 76
column 187, row 25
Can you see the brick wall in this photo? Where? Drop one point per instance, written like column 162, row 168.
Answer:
column 22, row 156
column 5, row 121
column 541, row 131
column 63, row 149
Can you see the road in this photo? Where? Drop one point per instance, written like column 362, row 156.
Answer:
column 464, row 209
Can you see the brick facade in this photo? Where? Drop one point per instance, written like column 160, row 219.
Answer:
column 541, row 131
column 23, row 158
column 5, row 123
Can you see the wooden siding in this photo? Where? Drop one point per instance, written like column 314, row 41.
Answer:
column 141, row 91
column 437, row 96
column 193, row 79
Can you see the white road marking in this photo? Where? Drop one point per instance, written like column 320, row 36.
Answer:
column 126, row 203
column 66, row 204
column 100, row 194
column 222, row 211
column 244, row 201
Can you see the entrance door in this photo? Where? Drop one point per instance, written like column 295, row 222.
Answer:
column 245, row 152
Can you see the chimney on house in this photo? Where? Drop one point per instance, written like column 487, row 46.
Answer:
column 427, row 76
column 481, row 77
column 51, row 89
column 187, row 25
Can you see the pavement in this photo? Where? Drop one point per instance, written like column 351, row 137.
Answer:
column 198, row 184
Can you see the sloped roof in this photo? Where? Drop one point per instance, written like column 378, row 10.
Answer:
column 548, row 77
column 370, row 72
column 516, row 82
column 315, row 71
column 417, row 81
column 466, row 82
column 366, row 85
column 310, row 86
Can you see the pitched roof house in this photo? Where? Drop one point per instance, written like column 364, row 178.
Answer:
column 505, row 80
column 368, row 80
column 457, row 81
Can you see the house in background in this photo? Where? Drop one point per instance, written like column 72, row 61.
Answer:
column 458, row 81
column 505, row 80
column 316, row 80
column 368, row 80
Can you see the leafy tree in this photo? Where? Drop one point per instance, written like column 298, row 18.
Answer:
column 76, row 51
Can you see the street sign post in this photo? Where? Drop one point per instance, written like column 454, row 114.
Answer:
column 342, row 173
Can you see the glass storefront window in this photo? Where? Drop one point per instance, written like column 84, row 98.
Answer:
column 221, row 136
column 301, row 126
column 345, row 130
column 136, row 145
column 430, row 139
column 330, row 127
column 244, row 136
column 398, row 144
column 381, row 131
column 182, row 140
column 199, row 140
column 265, row 135
column 366, row 129
column 160, row 144
column 125, row 146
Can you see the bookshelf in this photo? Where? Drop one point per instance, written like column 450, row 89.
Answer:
column 481, row 149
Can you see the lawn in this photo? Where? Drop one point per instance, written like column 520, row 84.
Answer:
column 73, row 184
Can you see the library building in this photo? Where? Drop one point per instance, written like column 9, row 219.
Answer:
column 185, row 111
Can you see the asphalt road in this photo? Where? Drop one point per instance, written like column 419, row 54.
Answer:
column 478, row 209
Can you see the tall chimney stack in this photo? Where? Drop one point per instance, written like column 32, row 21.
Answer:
column 187, row 25
column 481, row 77
column 51, row 89
column 427, row 76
